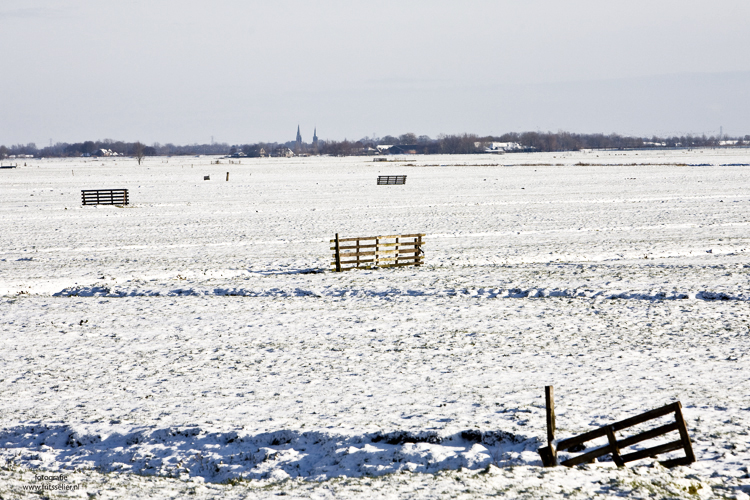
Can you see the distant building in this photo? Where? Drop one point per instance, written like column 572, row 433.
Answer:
column 104, row 152
column 499, row 147
column 283, row 152
column 298, row 142
column 254, row 151
column 315, row 139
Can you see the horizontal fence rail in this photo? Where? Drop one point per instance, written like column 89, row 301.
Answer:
column 390, row 180
column 615, row 446
column 377, row 251
column 104, row 196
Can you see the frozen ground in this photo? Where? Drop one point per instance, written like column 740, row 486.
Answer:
column 197, row 337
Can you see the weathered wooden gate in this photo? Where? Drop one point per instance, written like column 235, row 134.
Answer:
column 615, row 446
column 390, row 180
column 104, row 196
column 377, row 251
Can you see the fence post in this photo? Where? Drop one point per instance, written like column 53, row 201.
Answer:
column 684, row 436
column 549, row 452
column 338, row 255
column 418, row 250
column 357, row 250
column 227, row 176
column 549, row 396
column 613, row 445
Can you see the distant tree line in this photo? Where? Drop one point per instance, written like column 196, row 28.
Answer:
column 526, row 141
column 443, row 144
column 91, row 148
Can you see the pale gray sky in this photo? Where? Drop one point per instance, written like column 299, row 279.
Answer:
column 184, row 70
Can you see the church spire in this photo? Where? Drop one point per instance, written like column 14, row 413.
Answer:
column 298, row 143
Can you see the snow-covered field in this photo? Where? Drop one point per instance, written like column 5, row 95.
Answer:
column 196, row 342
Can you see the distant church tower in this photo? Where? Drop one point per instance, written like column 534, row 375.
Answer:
column 298, row 145
column 315, row 140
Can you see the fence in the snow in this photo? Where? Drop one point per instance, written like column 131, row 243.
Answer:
column 104, row 196
column 614, row 445
column 377, row 251
column 390, row 180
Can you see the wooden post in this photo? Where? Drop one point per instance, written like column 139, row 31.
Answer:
column 227, row 176
column 377, row 252
column 684, row 436
column 549, row 396
column 549, row 452
column 613, row 445
column 418, row 249
column 549, row 455
column 338, row 255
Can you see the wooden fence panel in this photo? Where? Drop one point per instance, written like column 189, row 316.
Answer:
column 614, row 445
column 377, row 251
column 104, row 196
column 391, row 180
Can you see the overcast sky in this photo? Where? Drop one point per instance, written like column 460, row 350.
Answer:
column 241, row 71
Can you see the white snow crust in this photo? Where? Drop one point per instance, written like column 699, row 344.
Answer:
column 197, row 342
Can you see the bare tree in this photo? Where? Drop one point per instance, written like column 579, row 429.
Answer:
column 408, row 138
column 138, row 151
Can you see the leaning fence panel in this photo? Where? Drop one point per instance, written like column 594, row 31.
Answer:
column 614, row 445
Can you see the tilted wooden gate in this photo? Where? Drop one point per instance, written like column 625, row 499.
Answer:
column 614, row 445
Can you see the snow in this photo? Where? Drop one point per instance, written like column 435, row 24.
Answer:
column 198, row 337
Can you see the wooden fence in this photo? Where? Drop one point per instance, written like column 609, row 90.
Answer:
column 390, row 180
column 615, row 446
column 377, row 251
column 104, row 196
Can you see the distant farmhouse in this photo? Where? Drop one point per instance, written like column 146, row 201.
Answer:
column 104, row 152
column 282, row 152
column 500, row 147
column 255, row 151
